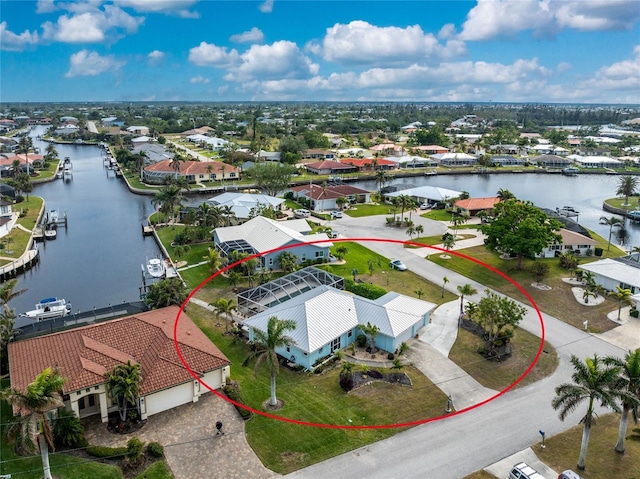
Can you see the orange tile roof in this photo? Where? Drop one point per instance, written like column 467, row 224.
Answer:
column 193, row 167
column 84, row 354
column 474, row 204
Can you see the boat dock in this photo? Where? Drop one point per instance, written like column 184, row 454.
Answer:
column 568, row 211
column 26, row 261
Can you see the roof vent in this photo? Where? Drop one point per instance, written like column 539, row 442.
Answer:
column 189, row 332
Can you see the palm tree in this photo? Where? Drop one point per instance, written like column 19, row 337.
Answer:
column 448, row 241
column 341, row 251
column 24, row 145
column 168, row 198
column 7, row 293
column 372, row 331
column 627, row 187
column 623, row 295
column 504, row 194
column 629, row 383
column 465, row 290
column 33, row 431
column 288, row 261
column 175, row 164
column 266, row 344
column 213, row 259
column 225, row 306
column 411, row 230
column 593, row 381
column 341, row 201
column 381, row 179
column 611, row 222
column 404, row 201
column 123, row 384
column 445, row 280
column 419, row 229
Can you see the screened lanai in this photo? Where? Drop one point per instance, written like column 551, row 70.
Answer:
column 256, row 300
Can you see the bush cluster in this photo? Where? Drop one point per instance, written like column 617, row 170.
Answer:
column 105, row 451
column 234, row 394
column 366, row 290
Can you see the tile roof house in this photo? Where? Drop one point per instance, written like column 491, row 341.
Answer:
column 329, row 167
column 370, row 164
column 472, row 206
column 261, row 235
column 572, row 242
column 193, row 170
column 85, row 354
column 324, row 198
column 328, row 319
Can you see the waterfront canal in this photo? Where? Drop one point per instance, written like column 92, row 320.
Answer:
column 96, row 260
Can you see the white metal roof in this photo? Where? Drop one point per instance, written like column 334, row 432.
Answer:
column 242, row 203
column 431, row 192
column 614, row 270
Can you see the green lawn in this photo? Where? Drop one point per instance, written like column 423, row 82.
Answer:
column 158, row 470
column 318, row 398
column 32, row 207
column 553, row 302
column 360, row 210
column 634, row 202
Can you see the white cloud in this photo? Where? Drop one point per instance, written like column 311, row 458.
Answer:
column 199, row 79
column 361, row 42
column 564, row 66
column 280, row 60
column 16, row 42
column 45, row 6
column 180, row 8
column 155, row 56
column 266, row 6
column 494, row 18
column 447, row 31
column 86, row 63
column 91, row 26
column 254, row 35
column 208, row 54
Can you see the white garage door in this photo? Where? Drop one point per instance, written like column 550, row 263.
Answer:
column 169, row 398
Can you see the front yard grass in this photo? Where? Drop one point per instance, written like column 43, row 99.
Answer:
column 360, row 210
column 32, row 208
column 499, row 375
column 318, row 398
column 559, row 301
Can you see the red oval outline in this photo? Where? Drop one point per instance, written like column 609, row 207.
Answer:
column 348, row 426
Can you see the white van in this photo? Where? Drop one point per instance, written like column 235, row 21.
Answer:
column 524, row 471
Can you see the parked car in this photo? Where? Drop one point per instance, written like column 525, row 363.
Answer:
column 302, row 213
column 336, row 214
column 426, row 206
column 331, row 234
column 569, row 474
column 523, row 470
column 397, row 264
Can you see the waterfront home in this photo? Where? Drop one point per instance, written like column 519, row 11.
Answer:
column 429, row 149
column 329, row 167
column 425, row 194
column 328, row 319
column 389, row 149
column 571, row 242
column 154, row 152
column 323, row 198
column 507, row 160
column 85, row 355
column 612, row 272
column 550, row 161
column 455, row 159
column 262, row 235
column 318, row 154
column 411, row 161
column 244, row 205
column 193, row 171
column 8, row 218
column 370, row 164
column 472, row 206
column 596, row 161
column 138, row 130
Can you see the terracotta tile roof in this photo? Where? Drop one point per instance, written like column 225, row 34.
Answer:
column 361, row 162
column 84, row 354
column 328, row 165
column 476, row 204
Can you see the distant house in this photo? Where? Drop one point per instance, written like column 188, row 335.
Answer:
column 112, row 121
column 329, row 167
column 8, row 218
column 585, row 151
column 242, row 204
column 139, row 140
column 389, row 149
column 507, row 160
column 572, row 242
column 154, row 152
column 138, row 130
column 261, row 235
column 411, row 161
column 596, row 161
column 193, row 171
column 273, row 156
column 84, row 355
column 550, row 161
column 318, row 154
column 428, row 194
column 506, row 149
column 430, row 149
column 370, row 164
column 610, row 273
column 324, row 198
column 207, row 141
column 472, row 206
column 66, row 129
column 455, row 159
column 328, row 319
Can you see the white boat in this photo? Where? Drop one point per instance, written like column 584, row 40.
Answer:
column 50, row 234
column 571, row 171
column 155, row 268
column 49, row 308
column 53, row 216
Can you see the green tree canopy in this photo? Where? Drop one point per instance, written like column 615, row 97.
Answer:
column 520, row 229
column 123, row 384
column 270, row 178
column 166, row 293
column 432, row 136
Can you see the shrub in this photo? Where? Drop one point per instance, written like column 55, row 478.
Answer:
column 390, row 356
column 634, row 313
column 234, row 394
column 361, row 340
column 155, row 449
column 135, row 449
column 366, row 290
column 68, row 430
column 105, row 451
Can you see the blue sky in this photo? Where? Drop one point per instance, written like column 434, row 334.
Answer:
column 564, row 51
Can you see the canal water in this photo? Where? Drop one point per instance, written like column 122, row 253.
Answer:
column 96, row 261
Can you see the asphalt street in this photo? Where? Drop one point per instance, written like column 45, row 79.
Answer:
column 464, row 442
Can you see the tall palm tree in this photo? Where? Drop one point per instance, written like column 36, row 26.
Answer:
column 225, row 306
column 24, row 145
column 465, row 290
column 623, row 295
column 7, row 293
column 266, row 343
column 592, row 381
column 504, row 194
column 168, row 198
column 381, row 179
column 627, row 186
column 33, row 431
column 404, row 201
column 611, row 222
column 123, row 384
column 629, row 383
column 175, row 164
column 411, row 230
column 445, row 280
column 214, row 260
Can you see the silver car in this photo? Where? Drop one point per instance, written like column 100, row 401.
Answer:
column 397, row 264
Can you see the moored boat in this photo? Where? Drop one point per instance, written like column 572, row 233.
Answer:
column 571, row 171
column 156, row 268
column 50, row 234
column 49, row 308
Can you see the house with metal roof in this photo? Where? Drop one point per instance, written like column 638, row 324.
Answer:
column 422, row 194
column 328, row 319
column 263, row 235
column 323, row 198
column 610, row 273
column 84, row 355
column 242, row 204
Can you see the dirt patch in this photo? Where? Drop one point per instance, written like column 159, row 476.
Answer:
column 268, row 407
column 293, row 460
column 541, row 286
column 360, row 379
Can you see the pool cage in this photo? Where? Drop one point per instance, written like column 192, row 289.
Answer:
column 255, row 300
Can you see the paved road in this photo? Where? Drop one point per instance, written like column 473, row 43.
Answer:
column 463, row 443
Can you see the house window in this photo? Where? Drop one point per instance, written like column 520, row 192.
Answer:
column 555, row 247
column 350, row 334
column 232, row 175
column 288, row 349
column 319, row 254
column 335, row 344
column 212, row 176
column 270, row 261
column 201, row 176
column 303, row 256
